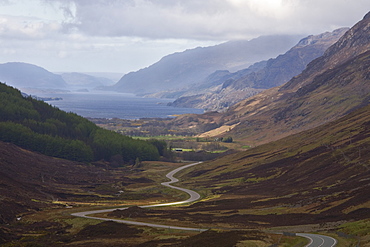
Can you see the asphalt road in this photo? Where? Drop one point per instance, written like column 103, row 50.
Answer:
column 193, row 197
column 317, row 240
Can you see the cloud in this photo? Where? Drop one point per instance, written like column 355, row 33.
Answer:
column 126, row 35
column 181, row 19
column 13, row 27
column 208, row 19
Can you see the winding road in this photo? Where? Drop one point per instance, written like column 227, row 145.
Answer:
column 315, row 239
column 193, row 197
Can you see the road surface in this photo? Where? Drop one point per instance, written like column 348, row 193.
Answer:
column 193, row 197
column 317, row 240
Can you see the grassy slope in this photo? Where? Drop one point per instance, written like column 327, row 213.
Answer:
column 330, row 87
column 318, row 176
column 321, row 175
column 310, row 181
column 276, row 113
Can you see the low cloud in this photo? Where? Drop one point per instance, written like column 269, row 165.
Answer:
column 184, row 19
column 207, row 19
column 126, row 35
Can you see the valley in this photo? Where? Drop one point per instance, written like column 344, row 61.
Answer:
column 315, row 181
column 291, row 158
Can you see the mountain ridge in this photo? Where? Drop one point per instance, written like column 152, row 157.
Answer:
column 191, row 66
column 354, row 42
column 279, row 111
column 34, row 79
column 25, row 75
column 278, row 70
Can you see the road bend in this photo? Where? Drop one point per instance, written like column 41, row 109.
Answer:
column 194, row 196
column 317, row 240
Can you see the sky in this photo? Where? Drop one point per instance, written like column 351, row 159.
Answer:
column 127, row 35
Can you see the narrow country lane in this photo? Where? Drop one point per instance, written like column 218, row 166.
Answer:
column 193, row 197
column 315, row 239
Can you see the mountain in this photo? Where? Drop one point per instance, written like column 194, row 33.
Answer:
column 24, row 75
column 355, row 42
column 331, row 86
column 246, row 83
column 192, row 66
column 314, row 177
column 83, row 81
column 209, row 86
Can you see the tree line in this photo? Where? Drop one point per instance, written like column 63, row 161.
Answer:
column 38, row 126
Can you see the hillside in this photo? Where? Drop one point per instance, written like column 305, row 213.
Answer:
column 314, row 177
column 330, row 87
column 180, row 69
column 30, row 181
column 25, row 76
column 234, row 87
column 84, row 81
column 37, row 126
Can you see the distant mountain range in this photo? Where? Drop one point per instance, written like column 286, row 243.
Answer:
column 230, row 88
column 331, row 86
column 181, row 69
column 80, row 80
column 24, row 75
column 34, row 79
column 308, row 168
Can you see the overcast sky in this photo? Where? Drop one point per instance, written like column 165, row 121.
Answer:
column 126, row 35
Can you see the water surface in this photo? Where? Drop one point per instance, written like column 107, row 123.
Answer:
column 116, row 105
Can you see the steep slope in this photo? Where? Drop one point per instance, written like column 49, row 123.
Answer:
column 23, row 75
column 211, row 84
column 284, row 67
column 246, row 83
column 314, row 177
column 330, row 87
column 355, row 42
column 192, row 66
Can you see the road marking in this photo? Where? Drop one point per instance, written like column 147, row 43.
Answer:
column 314, row 243
column 323, row 241
column 311, row 240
